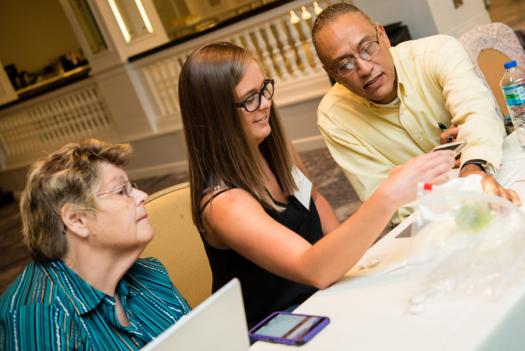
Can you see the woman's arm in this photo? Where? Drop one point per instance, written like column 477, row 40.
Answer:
column 240, row 223
column 329, row 221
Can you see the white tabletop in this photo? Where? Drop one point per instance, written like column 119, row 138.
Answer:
column 370, row 310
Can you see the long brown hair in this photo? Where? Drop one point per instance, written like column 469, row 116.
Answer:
column 219, row 152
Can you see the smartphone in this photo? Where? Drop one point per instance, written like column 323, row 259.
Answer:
column 455, row 146
column 288, row 328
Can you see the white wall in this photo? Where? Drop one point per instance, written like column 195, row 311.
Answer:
column 427, row 17
column 414, row 13
column 457, row 21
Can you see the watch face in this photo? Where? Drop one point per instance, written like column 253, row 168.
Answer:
column 489, row 169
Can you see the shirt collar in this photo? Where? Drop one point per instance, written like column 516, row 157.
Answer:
column 393, row 103
column 363, row 101
column 401, row 79
column 81, row 295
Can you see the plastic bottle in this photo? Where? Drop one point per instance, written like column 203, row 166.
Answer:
column 513, row 86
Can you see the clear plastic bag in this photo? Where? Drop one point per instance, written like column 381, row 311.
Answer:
column 467, row 243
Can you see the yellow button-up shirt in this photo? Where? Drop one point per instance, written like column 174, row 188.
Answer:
column 436, row 83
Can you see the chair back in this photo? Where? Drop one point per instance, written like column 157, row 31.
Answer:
column 489, row 47
column 177, row 243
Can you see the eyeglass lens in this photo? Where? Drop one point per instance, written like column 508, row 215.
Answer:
column 366, row 53
column 126, row 189
column 129, row 186
column 253, row 102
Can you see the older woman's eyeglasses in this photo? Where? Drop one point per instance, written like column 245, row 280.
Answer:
column 123, row 190
column 253, row 102
column 366, row 53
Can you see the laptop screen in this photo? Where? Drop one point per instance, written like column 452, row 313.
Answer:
column 218, row 323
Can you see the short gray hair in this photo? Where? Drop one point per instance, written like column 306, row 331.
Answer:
column 65, row 176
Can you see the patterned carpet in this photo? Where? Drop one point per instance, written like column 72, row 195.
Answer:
column 328, row 178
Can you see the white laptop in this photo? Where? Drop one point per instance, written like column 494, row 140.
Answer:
column 218, row 324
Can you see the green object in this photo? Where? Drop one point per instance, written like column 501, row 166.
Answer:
column 473, row 216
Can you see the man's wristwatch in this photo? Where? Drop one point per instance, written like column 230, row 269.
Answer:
column 484, row 165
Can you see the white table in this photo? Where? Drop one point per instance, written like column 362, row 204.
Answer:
column 371, row 312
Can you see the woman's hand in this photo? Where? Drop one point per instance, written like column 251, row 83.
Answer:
column 401, row 186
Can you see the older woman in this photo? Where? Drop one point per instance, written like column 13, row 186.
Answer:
column 260, row 218
column 86, row 226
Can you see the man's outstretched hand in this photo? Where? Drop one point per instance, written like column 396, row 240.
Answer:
column 490, row 184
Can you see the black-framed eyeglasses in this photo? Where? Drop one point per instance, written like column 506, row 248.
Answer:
column 366, row 53
column 123, row 190
column 252, row 102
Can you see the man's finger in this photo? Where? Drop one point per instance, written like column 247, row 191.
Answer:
column 503, row 193
column 490, row 186
column 513, row 196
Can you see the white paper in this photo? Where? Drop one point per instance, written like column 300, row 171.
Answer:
column 304, row 187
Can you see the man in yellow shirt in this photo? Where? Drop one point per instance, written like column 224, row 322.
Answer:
column 389, row 102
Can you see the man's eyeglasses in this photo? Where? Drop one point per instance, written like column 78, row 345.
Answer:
column 252, row 102
column 123, row 190
column 367, row 52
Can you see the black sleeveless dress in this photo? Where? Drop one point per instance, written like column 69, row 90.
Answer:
column 264, row 292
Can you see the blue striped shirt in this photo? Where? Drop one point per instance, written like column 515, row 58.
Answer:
column 49, row 307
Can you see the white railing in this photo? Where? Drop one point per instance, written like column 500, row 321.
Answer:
column 68, row 115
column 284, row 49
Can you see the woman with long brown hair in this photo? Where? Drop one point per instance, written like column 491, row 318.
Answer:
column 259, row 216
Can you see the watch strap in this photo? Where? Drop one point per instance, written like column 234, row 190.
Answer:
column 484, row 165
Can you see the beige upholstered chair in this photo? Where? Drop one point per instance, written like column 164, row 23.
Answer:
column 489, row 47
column 177, row 243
